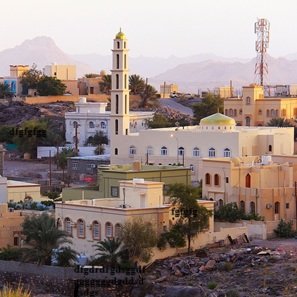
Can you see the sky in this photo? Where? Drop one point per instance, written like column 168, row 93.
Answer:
column 155, row 28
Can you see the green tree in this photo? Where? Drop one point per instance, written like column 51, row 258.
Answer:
column 43, row 236
column 138, row 238
column 105, row 84
column 30, row 79
column 159, row 121
column 229, row 212
column 136, row 84
column 209, row 105
column 66, row 256
column 109, row 251
column 285, row 229
column 280, row 122
column 148, row 96
column 62, row 159
column 6, row 133
column 5, row 91
column 50, row 86
column 193, row 217
column 98, row 140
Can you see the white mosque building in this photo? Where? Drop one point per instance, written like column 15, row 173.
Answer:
column 216, row 136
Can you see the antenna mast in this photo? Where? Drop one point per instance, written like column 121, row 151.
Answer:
column 262, row 27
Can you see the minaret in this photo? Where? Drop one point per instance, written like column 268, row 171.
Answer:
column 119, row 116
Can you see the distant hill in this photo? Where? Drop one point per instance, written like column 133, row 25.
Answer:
column 41, row 51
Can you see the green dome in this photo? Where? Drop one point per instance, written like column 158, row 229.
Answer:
column 121, row 35
column 217, row 119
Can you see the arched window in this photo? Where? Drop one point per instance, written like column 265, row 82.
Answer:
column 240, row 111
column 118, row 61
column 118, row 44
column 216, row 180
column 150, row 150
column 75, row 124
column 235, row 112
column 252, row 208
column 126, row 104
column 207, row 179
column 125, row 81
column 272, row 113
column 276, row 207
column 125, row 61
column 221, row 203
column 268, row 113
column 270, row 148
column 96, row 231
column 108, row 230
column 242, row 206
column 117, row 81
column 248, row 181
column 81, row 228
column 211, row 152
column 230, row 112
column 67, row 226
column 124, row 44
column 227, row 153
column 247, row 121
column 196, row 152
column 117, row 230
column 248, row 100
column 116, row 127
column 181, row 151
column 132, row 150
column 116, row 151
column 117, row 104
column 226, row 112
column 103, row 125
column 91, row 125
column 164, row 151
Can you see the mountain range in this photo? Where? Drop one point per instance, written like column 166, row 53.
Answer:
column 201, row 71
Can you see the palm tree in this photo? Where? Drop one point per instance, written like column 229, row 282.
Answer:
column 149, row 94
column 279, row 122
column 136, row 84
column 43, row 236
column 105, row 84
column 110, row 251
column 66, row 256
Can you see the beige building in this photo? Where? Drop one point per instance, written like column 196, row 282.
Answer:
column 90, row 221
column 17, row 190
column 18, row 70
column 167, row 90
column 256, row 184
column 224, row 92
column 253, row 109
column 61, row 72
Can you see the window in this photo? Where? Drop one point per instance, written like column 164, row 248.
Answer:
column 260, row 111
column 74, row 165
column 226, row 112
column 221, row 203
column 118, row 44
column 91, row 125
column 227, row 180
column 248, row 100
column 235, row 112
column 242, row 206
column 114, row 191
column 164, row 151
column 116, row 127
column 67, row 226
column 96, row 228
column 81, row 228
column 270, row 148
column 125, row 61
column 240, row 111
column 118, row 61
column 108, row 230
column 192, row 167
column 150, row 150
column 227, row 153
column 117, row 104
column 117, row 81
column 207, row 179
column 268, row 113
column 181, row 151
column 124, row 44
column 248, row 181
column 75, row 124
column 272, row 113
column 252, row 208
column 216, row 180
column 276, row 207
column 132, row 150
column 287, row 205
column 247, row 121
column 117, row 230
column 126, row 104
column 125, row 81
column 103, row 125
column 196, row 152
column 230, row 112
column 211, row 152
column 116, row 151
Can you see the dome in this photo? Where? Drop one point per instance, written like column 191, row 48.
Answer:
column 217, row 119
column 121, row 35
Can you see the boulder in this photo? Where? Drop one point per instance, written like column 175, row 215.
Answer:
column 210, row 265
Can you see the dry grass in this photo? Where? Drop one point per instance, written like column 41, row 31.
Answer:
column 15, row 292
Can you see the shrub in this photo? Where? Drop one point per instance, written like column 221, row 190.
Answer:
column 11, row 253
column 211, row 285
column 284, row 229
column 229, row 212
column 232, row 293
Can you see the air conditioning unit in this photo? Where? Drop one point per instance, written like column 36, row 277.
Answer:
column 268, row 205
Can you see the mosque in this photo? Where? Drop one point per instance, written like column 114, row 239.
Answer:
column 216, row 135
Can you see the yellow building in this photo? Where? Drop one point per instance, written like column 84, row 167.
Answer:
column 18, row 70
column 167, row 90
column 253, row 109
column 61, row 72
column 256, row 184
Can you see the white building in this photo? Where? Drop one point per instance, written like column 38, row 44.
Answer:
column 216, row 136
